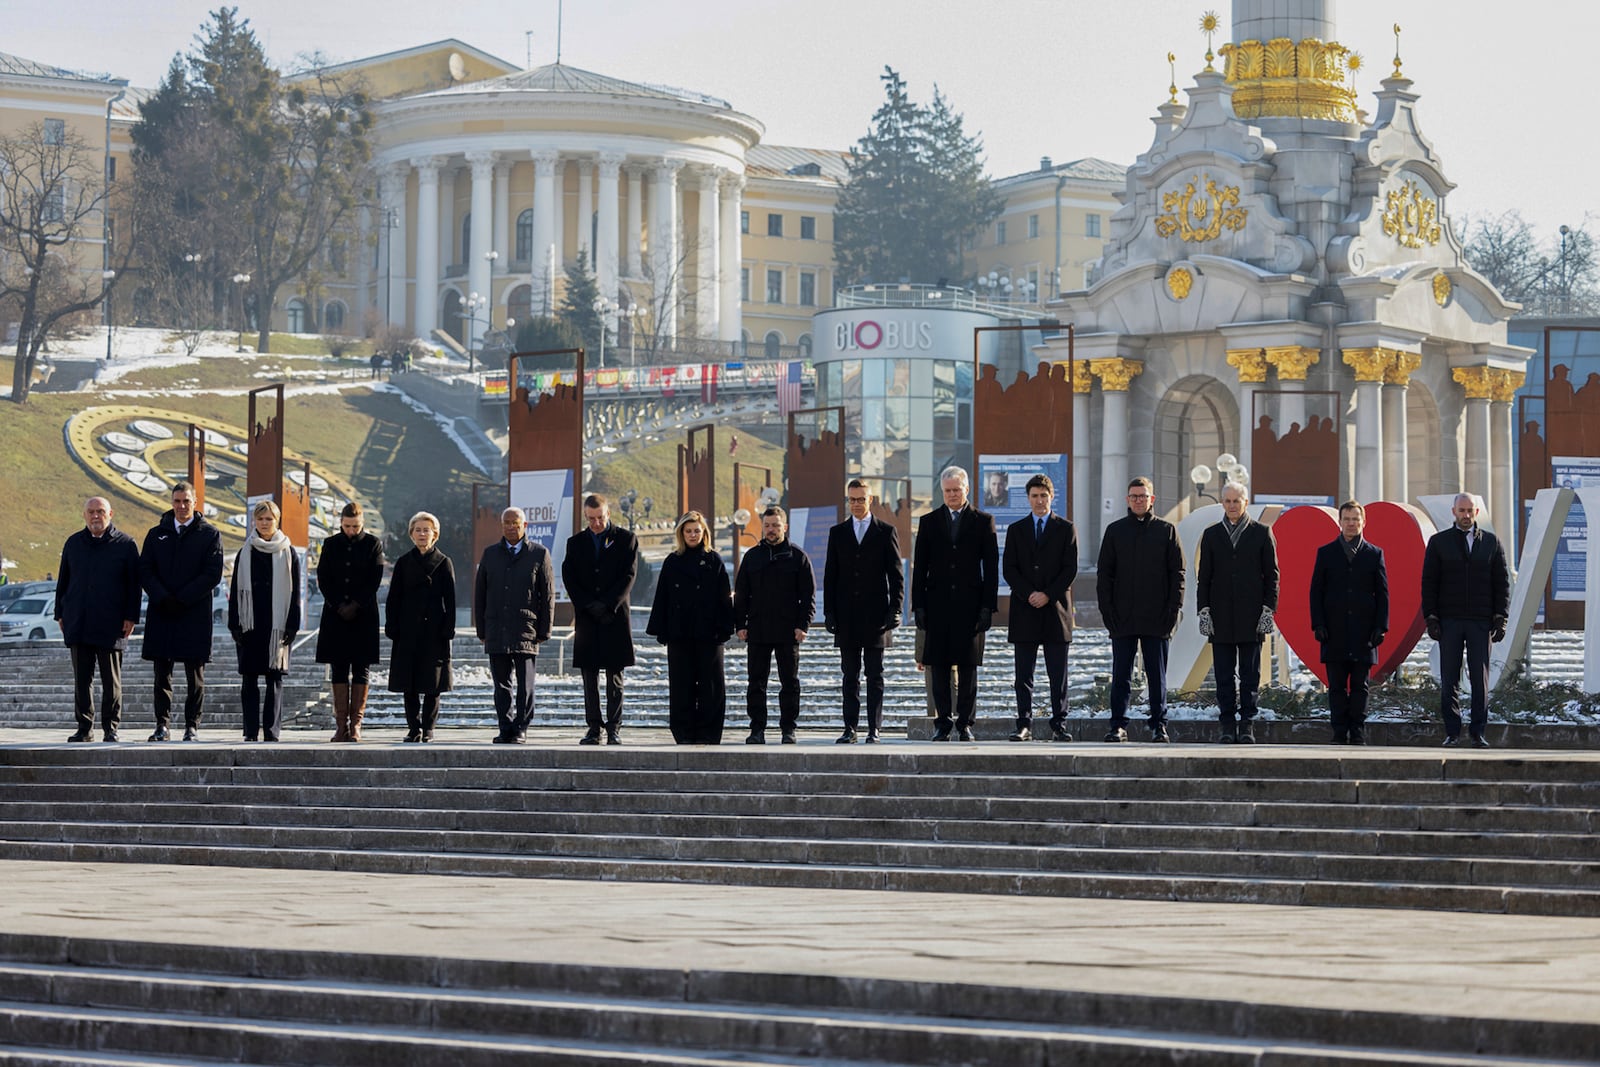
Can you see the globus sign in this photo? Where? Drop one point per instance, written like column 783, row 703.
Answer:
column 868, row 334
column 900, row 333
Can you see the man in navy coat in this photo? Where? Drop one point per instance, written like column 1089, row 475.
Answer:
column 179, row 566
column 1349, row 616
column 598, row 570
column 97, row 605
column 862, row 584
column 1039, row 564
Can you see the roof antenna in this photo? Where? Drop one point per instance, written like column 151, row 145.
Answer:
column 528, row 40
column 560, row 4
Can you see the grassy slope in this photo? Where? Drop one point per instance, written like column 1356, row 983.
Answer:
column 653, row 469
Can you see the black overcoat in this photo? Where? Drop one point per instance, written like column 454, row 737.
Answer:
column 1047, row 567
column 692, row 600
column 863, row 584
column 419, row 618
column 1456, row 585
column 254, row 655
column 1139, row 579
column 349, row 571
column 514, row 598
column 179, row 571
column 955, row 585
column 775, row 593
column 1350, row 600
column 97, row 588
column 1236, row 583
column 599, row 581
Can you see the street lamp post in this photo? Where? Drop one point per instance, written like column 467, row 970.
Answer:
column 1229, row 469
column 106, row 277
column 474, row 302
column 241, row 280
column 607, row 309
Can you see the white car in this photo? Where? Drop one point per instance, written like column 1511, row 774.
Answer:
column 30, row 618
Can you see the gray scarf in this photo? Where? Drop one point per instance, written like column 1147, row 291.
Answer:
column 1235, row 530
column 1350, row 547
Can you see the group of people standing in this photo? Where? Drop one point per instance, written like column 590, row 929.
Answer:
column 769, row 605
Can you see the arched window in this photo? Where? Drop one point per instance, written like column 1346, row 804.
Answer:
column 333, row 316
column 804, row 345
column 744, row 344
column 774, row 344
column 525, row 236
column 295, row 311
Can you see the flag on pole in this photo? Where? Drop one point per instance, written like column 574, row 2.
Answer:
column 708, row 382
column 789, row 388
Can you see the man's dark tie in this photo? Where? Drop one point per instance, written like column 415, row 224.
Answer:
column 1038, row 530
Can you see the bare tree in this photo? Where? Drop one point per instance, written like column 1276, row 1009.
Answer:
column 1560, row 278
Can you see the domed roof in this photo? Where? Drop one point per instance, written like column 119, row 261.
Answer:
column 563, row 79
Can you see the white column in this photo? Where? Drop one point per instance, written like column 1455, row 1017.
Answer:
column 1083, row 511
column 732, row 311
column 605, row 259
column 504, row 240
column 558, row 236
column 1396, row 481
column 426, row 299
column 392, row 238
column 635, row 260
column 544, row 212
column 707, row 256
column 1113, row 457
column 1367, row 481
column 1475, row 413
column 664, row 245
column 362, row 253
column 1503, row 504
column 586, row 209
column 478, row 268
column 449, row 232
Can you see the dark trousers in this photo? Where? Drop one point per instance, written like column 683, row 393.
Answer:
column 851, row 659
column 697, row 692
column 1473, row 635
column 350, row 673
column 261, row 718
column 1238, row 669
column 963, row 686
column 591, row 699
column 422, row 710
column 761, row 657
column 504, row 667
column 86, row 659
column 1055, row 668
column 194, row 676
column 1154, row 651
column 1347, row 696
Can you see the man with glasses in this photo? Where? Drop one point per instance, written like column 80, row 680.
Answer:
column 1140, row 589
column 862, row 585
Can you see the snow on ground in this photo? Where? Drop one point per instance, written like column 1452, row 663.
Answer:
column 446, row 425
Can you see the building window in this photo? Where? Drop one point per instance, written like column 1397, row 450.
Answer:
column 525, row 236
column 1000, row 233
column 808, row 290
column 333, row 316
column 295, row 312
column 744, row 283
column 744, row 222
column 805, row 346
column 466, row 237
column 808, row 228
column 1091, row 225
column 774, row 286
column 55, row 131
column 1033, row 226
column 111, row 168
column 55, row 203
column 773, row 345
column 774, row 225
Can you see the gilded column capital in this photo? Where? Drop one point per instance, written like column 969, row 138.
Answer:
column 1503, row 384
column 1292, row 361
column 1368, row 363
column 1401, row 364
column 1082, row 380
column 1476, row 382
column 1251, row 363
column 1115, row 372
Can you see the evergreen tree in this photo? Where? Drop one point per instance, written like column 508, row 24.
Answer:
column 577, row 308
column 545, row 334
column 915, row 196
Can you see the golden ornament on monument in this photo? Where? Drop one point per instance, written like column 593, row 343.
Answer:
column 1411, row 217
column 1441, row 289
column 1197, row 214
column 1179, row 282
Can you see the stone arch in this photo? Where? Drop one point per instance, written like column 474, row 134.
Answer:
column 451, row 315
column 1424, row 451
column 1196, row 419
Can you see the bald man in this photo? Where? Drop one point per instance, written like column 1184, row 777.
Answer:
column 97, row 605
column 1466, row 598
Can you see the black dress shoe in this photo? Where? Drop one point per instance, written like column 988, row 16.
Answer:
column 160, row 734
column 1117, row 733
column 1450, row 742
column 613, row 737
column 251, row 737
column 190, row 733
column 1357, row 737
column 504, row 739
column 788, row 738
column 1226, row 737
column 941, row 733
column 412, row 737
column 872, row 737
column 1059, row 733
column 590, row 738
column 757, row 737
column 81, row 735
column 1158, row 733
column 111, row 735
column 965, row 734
column 1479, row 741
column 1022, row 734
column 1245, row 736
column 846, row 738
column 520, row 737
column 427, row 735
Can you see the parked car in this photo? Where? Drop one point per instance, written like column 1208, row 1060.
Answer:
column 16, row 590
column 30, row 618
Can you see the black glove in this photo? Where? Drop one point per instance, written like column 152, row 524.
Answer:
column 1375, row 638
column 1435, row 629
column 985, row 619
column 920, row 616
column 829, row 625
column 891, row 621
column 1321, row 635
column 1497, row 629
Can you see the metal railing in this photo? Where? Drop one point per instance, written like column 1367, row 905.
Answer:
column 949, row 297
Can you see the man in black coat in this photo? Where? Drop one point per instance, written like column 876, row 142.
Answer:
column 862, row 586
column 598, row 571
column 97, row 605
column 774, row 597
column 1139, row 584
column 955, row 585
column 1236, row 593
column 179, row 566
column 1466, row 599
column 513, row 605
column 1039, row 564
column 1349, row 616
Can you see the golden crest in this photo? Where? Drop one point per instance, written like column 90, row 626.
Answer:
column 1179, row 282
column 1441, row 289
column 1201, row 215
column 1411, row 217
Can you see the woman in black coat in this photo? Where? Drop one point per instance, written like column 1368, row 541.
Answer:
column 693, row 616
column 349, row 571
column 264, row 617
column 419, row 617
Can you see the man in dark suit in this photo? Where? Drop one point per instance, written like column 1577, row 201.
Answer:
column 1139, row 584
column 598, row 571
column 97, row 605
column 1466, row 598
column 1349, row 616
column 513, row 605
column 955, row 583
column 1236, row 593
column 774, row 599
column 1040, row 562
column 180, row 565
column 862, row 585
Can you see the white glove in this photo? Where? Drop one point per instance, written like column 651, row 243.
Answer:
column 1206, row 627
column 1264, row 624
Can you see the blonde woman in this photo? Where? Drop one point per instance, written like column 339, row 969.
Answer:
column 264, row 617
column 419, row 617
column 693, row 616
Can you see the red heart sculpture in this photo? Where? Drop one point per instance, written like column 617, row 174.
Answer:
column 1400, row 530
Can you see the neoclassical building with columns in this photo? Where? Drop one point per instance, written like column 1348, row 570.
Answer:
column 1282, row 283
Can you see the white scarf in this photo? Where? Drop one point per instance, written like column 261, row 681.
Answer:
column 282, row 587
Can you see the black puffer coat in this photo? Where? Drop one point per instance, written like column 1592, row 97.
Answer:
column 97, row 588
column 775, row 593
column 692, row 601
column 1140, row 579
column 514, row 598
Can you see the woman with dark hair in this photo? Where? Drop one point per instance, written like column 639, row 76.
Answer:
column 693, row 616
column 419, row 617
column 264, row 617
column 349, row 571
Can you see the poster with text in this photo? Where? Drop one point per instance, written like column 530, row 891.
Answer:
column 546, row 498
column 1566, row 575
column 1002, row 491
column 808, row 528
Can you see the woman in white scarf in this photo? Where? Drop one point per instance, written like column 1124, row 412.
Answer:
column 264, row 617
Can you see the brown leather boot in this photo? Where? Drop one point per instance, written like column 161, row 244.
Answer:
column 341, row 712
column 358, row 710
